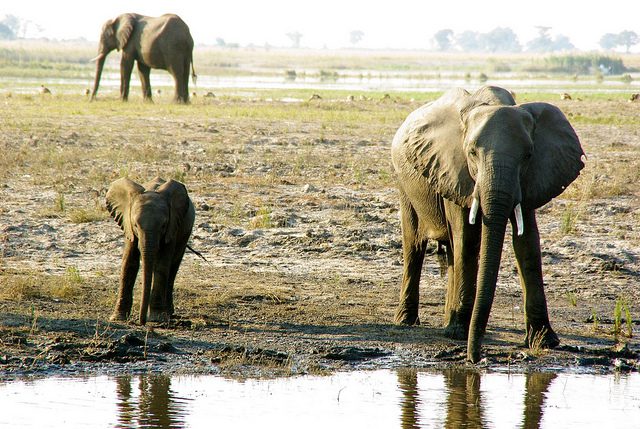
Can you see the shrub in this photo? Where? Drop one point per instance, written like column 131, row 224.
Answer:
column 580, row 64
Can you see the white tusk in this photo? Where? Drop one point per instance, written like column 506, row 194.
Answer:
column 474, row 211
column 96, row 58
column 519, row 222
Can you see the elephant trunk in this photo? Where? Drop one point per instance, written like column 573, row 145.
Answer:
column 99, row 66
column 497, row 206
column 148, row 253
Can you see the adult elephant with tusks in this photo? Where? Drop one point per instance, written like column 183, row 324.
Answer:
column 157, row 220
column 154, row 43
column 466, row 165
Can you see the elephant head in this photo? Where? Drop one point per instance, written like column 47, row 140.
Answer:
column 463, row 143
column 115, row 35
column 493, row 159
column 151, row 217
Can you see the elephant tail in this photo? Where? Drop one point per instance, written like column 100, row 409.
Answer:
column 197, row 253
column 193, row 73
column 441, row 253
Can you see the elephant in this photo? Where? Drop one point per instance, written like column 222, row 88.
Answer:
column 466, row 165
column 157, row 219
column 160, row 43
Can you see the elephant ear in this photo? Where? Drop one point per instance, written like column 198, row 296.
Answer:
column 557, row 156
column 179, row 201
column 495, row 95
column 431, row 140
column 120, row 197
column 125, row 24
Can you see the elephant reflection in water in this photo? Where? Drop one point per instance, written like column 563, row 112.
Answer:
column 465, row 402
column 156, row 406
column 536, row 386
column 408, row 381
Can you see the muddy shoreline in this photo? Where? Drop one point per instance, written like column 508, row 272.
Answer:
column 297, row 219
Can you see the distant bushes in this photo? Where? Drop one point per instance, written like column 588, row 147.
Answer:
column 41, row 58
column 579, row 64
column 30, row 53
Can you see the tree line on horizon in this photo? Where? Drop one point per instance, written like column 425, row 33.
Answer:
column 500, row 39
column 504, row 39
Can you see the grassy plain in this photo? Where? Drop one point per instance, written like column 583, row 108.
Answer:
column 297, row 218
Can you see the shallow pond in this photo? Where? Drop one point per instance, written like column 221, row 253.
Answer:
column 377, row 399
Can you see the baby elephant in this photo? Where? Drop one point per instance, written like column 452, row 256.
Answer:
column 157, row 219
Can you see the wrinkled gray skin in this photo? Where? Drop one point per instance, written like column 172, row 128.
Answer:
column 154, row 43
column 157, row 219
column 463, row 147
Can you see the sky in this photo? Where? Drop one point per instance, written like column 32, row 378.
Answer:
column 398, row 24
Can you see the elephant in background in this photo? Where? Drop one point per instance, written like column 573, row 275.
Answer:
column 157, row 220
column 154, row 43
column 466, row 165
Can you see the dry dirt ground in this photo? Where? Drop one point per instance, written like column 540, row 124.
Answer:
column 297, row 219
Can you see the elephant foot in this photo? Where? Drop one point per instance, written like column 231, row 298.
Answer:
column 457, row 331
column 406, row 317
column 473, row 355
column 541, row 337
column 158, row 317
column 457, row 324
column 119, row 317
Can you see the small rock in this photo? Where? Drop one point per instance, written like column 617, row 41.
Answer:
column 591, row 361
column 308, row 188
column 354, row 353
column 132, row 340
column 166, row 347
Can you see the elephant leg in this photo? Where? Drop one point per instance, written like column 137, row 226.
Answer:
column 528, row 255
column 463, row 271
column 180, row 73
column 178, row 255
column 173, row 272
column 413, row 248
column 145, row 72
column 157, row 302
column 126, row 67
column 130, row 266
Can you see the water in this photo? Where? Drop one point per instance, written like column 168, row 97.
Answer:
column 373, row 81
column 402, row 398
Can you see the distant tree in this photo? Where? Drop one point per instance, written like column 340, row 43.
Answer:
column 497, row 40
column 562, row 43
column 29, row 25
column 628, row 39
column 544, row 42
column 356, row 36
column 295, row 38
column 13, row 23
column 6, row 33
column 20, row 27
column 609, row 41
column 502, row 40
column 469, row 41
column 220, row 41
column 443, row 40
